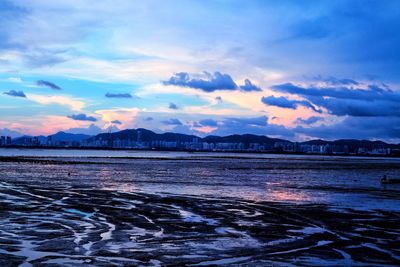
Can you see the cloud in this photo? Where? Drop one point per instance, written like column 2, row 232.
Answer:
column 356, row 128
column 91, row 130
column 359, row 108
column 9, row 12
column 9, row 132
column 336, row 81
column 283, row 102
column 148, row 119
column 173, row 106
column 48, row 84
column 118, row 95
column 208, row 122
column 172, row 122
column 309, row 121
column 15, row 93
column 319, row 34
column 82, row 117
column 126, row 116
column 219, row 99
column 249, row 86
column 45, row 124
column 324, row 37
column 253, row 125
column 116, row 122
column 311, row 29
column 15, row 79
column 257, row 121
column 341, row 101
column 372, row 93
column 74, row 104
column 44, row 58
column 208, row 82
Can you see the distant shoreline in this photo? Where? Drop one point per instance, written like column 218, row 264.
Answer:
column 198, row 151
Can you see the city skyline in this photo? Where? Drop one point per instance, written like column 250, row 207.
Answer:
column 292, row 70
column 143, row 139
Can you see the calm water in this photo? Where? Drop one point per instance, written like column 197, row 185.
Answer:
column 339, row 181
column 84, row 153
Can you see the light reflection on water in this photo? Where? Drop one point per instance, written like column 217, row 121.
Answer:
column 290, row 195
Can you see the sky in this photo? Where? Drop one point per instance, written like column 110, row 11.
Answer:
column 297, row 70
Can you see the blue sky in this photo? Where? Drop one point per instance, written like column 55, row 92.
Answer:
column 293, row 69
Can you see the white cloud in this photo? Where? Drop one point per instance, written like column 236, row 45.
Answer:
column 15, row 79
column 126, row 116
column 74, row 104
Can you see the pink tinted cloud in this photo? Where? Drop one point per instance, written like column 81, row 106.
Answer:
column 44, row 125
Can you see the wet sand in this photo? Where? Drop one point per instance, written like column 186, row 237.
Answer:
column 58, row 221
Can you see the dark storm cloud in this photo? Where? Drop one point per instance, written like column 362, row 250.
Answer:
column 82, row 117
column 15, row 93
column 48, row 84
column 118, row 95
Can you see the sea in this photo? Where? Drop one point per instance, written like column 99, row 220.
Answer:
column 343, row 181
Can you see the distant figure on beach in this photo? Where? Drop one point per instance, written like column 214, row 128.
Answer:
column 385, row 180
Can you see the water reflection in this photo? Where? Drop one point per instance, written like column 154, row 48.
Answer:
column 110, row 180
column 284, row 180
column 289, row 195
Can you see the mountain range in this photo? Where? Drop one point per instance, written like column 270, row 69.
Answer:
column 144, row 135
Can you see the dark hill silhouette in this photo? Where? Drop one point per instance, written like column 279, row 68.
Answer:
column 68, row 137
column 144, row 135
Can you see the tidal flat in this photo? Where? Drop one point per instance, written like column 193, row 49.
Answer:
column 198, row 210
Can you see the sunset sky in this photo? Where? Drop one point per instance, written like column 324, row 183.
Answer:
column 293, row 69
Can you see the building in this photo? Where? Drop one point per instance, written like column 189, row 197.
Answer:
column 5, row 141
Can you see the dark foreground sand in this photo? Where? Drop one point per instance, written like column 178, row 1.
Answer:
column 83, row 226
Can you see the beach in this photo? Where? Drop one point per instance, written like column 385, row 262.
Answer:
column 196, row 209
